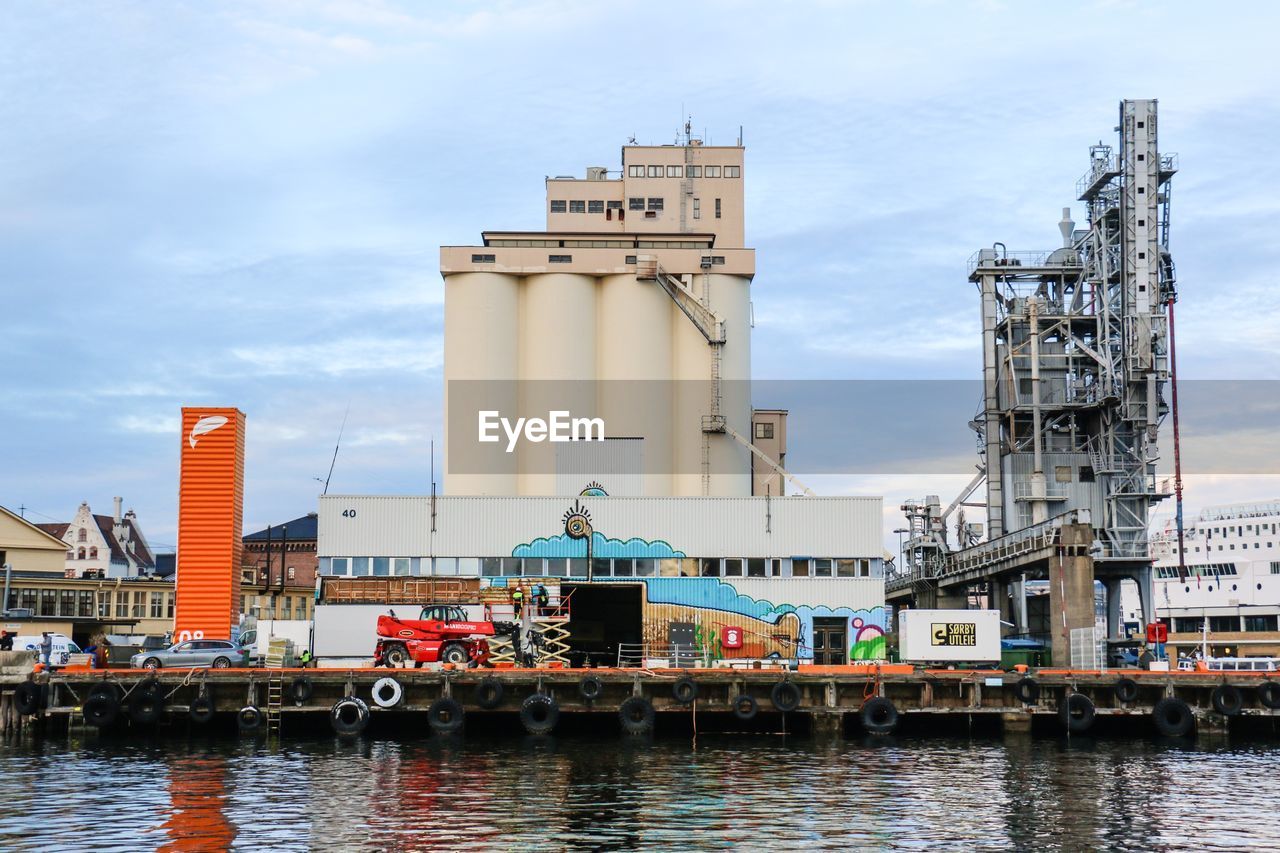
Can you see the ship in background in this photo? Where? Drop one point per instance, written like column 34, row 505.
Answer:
column 1232, row 579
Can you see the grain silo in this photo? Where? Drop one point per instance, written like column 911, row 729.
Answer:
column 633, row 308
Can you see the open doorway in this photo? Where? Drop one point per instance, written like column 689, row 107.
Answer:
column 603, row 616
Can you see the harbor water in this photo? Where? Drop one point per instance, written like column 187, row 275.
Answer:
column 496, row 793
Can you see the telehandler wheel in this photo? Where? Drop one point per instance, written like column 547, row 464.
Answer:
column 454, row 653
column 396, row 655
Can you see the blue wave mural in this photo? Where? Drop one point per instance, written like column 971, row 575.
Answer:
column 601, row 546
column 715, row 594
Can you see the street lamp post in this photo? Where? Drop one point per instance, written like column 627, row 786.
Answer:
column 901, row 555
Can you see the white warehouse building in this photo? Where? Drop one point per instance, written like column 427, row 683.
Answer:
column 799, row 576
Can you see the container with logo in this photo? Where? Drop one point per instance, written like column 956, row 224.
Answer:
column 949, row 636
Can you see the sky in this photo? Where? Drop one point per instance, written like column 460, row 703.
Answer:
column 242, row 204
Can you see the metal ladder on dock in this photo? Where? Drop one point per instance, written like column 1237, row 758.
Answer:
column 275, row 698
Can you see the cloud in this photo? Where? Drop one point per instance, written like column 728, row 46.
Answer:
column 243, row 204
column 341, row 357
column 168, row 425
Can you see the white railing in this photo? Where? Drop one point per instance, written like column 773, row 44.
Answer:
column 652, row 655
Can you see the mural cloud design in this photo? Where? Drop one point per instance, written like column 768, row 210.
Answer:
column 603, row 547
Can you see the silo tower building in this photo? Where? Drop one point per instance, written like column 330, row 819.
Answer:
column 633, row 309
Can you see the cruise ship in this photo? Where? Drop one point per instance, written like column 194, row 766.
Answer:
column 1232, row 580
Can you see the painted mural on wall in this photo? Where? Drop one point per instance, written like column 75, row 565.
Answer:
column 573, row 542
column 768, row 626
column 711, row 603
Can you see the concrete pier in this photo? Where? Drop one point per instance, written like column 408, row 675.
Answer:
column 823, row 701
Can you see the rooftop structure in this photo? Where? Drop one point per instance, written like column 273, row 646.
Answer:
column 633, row 307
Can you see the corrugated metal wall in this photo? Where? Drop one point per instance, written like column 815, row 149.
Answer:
column 494, row 526
column 1020, row 466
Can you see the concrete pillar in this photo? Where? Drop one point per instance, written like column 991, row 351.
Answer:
column 1071, row 600
column 952, row 598
column 1146, row 594
column 1018, row 606
column 998, row 595
column 1115, row 616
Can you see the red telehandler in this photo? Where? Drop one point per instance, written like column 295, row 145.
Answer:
column 441, row 633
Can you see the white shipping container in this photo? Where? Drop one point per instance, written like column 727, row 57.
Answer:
column 949, row 636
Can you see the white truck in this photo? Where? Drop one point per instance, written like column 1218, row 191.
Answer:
column 60, row 655
column 949, row 636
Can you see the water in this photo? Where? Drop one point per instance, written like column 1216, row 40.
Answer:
column 585, row 792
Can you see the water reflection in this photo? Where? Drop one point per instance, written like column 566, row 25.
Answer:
column 585, row 792
column 197, row 818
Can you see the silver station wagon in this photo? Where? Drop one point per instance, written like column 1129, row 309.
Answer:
column 219, row 654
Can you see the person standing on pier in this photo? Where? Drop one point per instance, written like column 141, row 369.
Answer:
column 46, row 648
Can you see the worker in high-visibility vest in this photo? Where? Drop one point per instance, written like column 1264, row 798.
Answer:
column 517, row 601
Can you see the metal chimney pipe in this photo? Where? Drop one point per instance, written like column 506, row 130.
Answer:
column 1066, row 226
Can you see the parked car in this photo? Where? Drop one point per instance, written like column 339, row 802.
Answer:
column 218, row 654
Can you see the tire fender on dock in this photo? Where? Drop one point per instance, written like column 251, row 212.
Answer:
column 1172, row 717
column 489, row 693
column 101, row 710
column 249, row 719
column 1027, row 690
column 445, row 716
column 27, row 695
column 539, row 714
column 201, row 710
column 1227, row 700
column 636, row 715
column 301, row 690
column 590, row 688
column 685, row 690
column 1077, row 713
column 387, row 692
column 785, row 696
column 108, row 688
column 349, row 716
column 1269, row 694
column 878, row 716
column 745, row 707
column 1125, row 690
column 146, row 704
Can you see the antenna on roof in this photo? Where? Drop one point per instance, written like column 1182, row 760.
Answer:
column 336, row 445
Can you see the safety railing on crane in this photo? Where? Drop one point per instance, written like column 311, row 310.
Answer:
column 1001, row 259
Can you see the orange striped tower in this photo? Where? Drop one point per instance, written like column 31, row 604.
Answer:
column 210, row 515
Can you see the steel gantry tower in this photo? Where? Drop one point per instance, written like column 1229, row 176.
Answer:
column 1075, row 365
